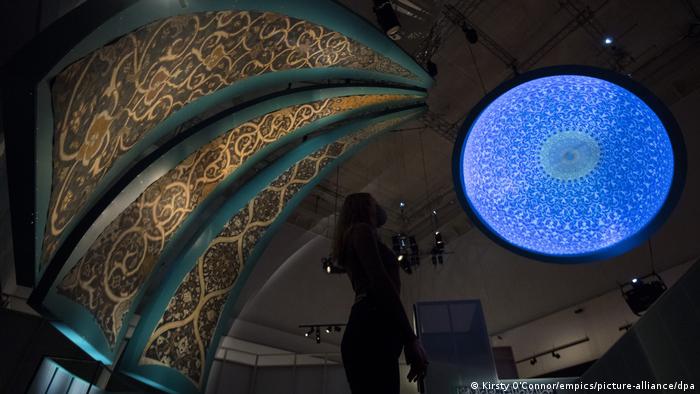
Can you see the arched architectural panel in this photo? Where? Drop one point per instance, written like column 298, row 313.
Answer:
column 109, row 91
column 95, row 294
column 143, row 121
column 175, row 340
column 106, row 104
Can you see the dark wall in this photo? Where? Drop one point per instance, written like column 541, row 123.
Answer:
column 19, row 22
column 25, row 340
column 505, row 362
column 663, row 346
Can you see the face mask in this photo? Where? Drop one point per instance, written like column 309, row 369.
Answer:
column 381, row 216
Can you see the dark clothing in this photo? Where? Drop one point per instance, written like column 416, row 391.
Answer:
column 370, row 351
column 374, row 271
column 378, row 327
column 359, row 278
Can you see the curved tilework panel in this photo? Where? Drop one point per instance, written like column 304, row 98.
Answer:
column 142, row 124
column 107, row 279
column 105, row 103
column 183, row 337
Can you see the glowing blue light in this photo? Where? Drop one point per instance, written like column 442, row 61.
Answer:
column 566, row 166
column 608, row 40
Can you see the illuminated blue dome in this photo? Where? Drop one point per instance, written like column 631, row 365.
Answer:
column 565, row 166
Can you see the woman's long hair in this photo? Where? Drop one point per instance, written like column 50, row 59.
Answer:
column 357, row 208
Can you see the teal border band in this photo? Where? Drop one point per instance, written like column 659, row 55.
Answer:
column 168, row 379
column 77, row 323
column 324, row 13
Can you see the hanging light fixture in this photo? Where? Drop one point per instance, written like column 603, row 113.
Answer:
column 386, row 17
column 309, row 332
column 330, row 266
column 569, row 164
column 470, row 33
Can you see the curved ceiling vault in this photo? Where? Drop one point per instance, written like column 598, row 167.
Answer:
column 171, row 142
column 129, row 248
column 107, row 102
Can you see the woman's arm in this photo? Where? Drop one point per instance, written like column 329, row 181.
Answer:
column 381, row 287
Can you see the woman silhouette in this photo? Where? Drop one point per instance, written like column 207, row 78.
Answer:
column 378, row 327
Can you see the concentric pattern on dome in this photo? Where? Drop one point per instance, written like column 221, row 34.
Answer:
column 616, row 179
column 569, row 155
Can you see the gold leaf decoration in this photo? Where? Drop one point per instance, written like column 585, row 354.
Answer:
column 185, row 331
column 105, row 103
column 108, row 277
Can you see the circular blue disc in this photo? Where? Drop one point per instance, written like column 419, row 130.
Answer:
column 566, row 167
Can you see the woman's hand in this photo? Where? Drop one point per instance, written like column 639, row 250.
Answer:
column 418, row 361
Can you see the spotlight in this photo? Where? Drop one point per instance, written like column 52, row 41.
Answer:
column 328, row 330
column 608, row 40
column 640, row 293
column 329, row 267
column 439, row 243
column 308, row 333
column 431, row 68
column 556, row 355
column 438, row 249
column 406, row 250
column 434, row 212
column 399, row 243
column 470, row 33
column 533, row 361
column 318, row 335
column 386, row 17
column 402, row 205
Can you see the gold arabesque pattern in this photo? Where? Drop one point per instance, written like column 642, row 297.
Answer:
column 105, row 103
column 108, row 277
column 185, row 330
